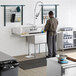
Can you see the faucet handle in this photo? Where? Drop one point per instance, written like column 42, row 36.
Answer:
column 33, row 28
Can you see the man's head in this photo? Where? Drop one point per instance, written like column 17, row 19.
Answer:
column 51, row 14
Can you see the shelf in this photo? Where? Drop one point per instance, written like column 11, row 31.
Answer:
column 67, row 38
column 15, row 12
column 49, row 5
column 74, row 46
column 71, row 38
column 48, row 9
column 74, row 38
column 67, row 30
column 5, row 13
column 69, row 48
column 11, row 5
column 45, row 11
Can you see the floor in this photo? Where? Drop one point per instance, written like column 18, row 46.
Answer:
column 41, row 71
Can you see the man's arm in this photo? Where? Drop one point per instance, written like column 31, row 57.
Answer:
column 46, row 26
column 57, row 21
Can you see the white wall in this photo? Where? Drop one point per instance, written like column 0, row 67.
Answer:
column 14, row 45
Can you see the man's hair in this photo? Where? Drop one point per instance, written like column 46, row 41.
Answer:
column 51, row 13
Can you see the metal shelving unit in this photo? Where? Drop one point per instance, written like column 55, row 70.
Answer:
column 65, row 39
column 45, row 8
column 74, row 38
column 20, row 13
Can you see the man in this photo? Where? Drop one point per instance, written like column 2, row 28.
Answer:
column 50, row 27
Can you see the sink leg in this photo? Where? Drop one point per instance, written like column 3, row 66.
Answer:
column 39, row 48
column 45, row 49
column 29, row 52
column 28, row 48
column 34, row 50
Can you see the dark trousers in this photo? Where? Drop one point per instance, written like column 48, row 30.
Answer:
column 51, row 42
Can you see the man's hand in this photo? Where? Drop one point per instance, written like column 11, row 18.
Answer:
column 43, row 31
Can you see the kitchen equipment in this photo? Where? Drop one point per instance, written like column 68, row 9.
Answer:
column 62, row 59
column 8, row 65
column 13, row 18
column 56, row 69
column 18, row 9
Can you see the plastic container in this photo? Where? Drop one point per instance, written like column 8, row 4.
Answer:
column 9, row 68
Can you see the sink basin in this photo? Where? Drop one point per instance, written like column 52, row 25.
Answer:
column 27, row 30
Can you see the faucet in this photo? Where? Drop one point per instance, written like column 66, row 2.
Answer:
column 33, row 28
column 35, row 16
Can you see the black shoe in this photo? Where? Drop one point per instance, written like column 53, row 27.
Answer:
column 54, row 56
column 48, row 56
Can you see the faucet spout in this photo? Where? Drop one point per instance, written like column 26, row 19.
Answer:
column 36, row 15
